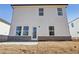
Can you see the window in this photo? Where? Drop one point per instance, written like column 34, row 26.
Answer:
column 77, row 32
column 60, row 13
column 25, row 30
column 34, row 32
column 72, row 24
column 41, row 13
column 18, row 30
column 51, row 30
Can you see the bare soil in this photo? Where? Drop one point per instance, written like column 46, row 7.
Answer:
column 50, row 47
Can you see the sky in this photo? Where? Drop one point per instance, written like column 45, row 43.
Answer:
column 6, row 12
column 72, row 12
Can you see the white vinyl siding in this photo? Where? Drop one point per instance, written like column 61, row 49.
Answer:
column 29, row 16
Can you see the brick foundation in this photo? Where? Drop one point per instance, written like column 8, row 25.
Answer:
column 4, row 38
column 54, row 38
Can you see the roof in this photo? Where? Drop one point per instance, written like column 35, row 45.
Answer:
column 4, row 21
column 35, row 4
column 74, row 20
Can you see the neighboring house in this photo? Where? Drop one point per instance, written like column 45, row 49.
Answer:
column 43, row 20
column 74, row 27
column 4, row 27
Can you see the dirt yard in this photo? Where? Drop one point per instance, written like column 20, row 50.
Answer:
column 56, row 47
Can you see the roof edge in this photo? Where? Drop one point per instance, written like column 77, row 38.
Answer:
column 4, row 21
column 74, row 20
column 35, row 4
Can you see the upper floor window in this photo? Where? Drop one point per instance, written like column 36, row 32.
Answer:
column 41, row 12
column 51, row 30
column 72, row 24
column 60, row 12
column 18, row 30
column 25, row 30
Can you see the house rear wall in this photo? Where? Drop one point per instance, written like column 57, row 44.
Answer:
column 29, row 16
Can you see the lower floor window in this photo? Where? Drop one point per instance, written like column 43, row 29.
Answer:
column 51, row 33
column 18, row 30
column 77, row 32
column 51, row 30
column 25, row 30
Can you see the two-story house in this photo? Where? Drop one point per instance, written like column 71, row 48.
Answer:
column 4, row 27
column 74, row 27
column 39, row 20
